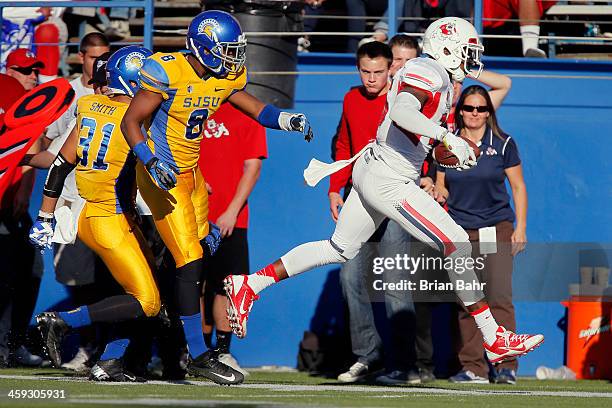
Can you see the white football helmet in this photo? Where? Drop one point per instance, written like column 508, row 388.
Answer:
column 454, row 43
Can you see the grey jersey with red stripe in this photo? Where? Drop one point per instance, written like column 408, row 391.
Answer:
column 402, row 150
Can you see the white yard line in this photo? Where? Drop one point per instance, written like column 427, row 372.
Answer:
column 163, row 402
column 342, row 388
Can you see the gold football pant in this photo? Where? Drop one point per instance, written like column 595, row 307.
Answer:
column 180, row 214
column 122, row 247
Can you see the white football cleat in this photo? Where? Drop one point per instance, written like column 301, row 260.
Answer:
column 508, row 345
column 240, row 299
column 79, row 362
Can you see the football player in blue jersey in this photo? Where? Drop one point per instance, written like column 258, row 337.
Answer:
column 178, row 92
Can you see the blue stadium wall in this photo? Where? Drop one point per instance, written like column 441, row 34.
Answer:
column 563, row 130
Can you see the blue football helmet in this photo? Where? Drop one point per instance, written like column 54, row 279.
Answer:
column 123, row 67
column 217, row 41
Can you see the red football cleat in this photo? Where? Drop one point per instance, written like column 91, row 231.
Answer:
column 509, row 345
column 240, row 299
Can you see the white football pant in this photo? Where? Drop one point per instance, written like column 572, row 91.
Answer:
column 379, row 192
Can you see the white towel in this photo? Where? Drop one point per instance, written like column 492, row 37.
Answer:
column 67, row 222
column 318, row 170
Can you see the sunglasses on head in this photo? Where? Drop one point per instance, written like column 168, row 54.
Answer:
column 470, row 108
column 26, row 71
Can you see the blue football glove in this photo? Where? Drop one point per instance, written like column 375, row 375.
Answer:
column 163, row 174
column 42, row 231
column 299, row 122
column 213, row 239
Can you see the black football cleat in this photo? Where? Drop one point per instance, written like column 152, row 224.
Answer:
column 53, row 329
column 208, row 366
column 112, row 371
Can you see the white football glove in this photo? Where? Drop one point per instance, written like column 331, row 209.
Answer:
column 42, row 231
column 460, row 148
column 297, row 122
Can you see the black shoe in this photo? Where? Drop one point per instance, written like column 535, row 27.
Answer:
column 112, row 371
column 207, row 365
column 52, row 328
column 426, row 375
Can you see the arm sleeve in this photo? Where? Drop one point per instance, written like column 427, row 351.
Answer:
column 338, row 180
column 58, row 172
column 406, row 113
column 154, row 78
column 510, row 153
column 58, row 142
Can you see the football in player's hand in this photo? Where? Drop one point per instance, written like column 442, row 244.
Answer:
column 446, row 158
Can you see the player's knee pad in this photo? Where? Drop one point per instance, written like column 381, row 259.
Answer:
column 188, row 253
column 336, row 254
column 344, row 252
column 150, row 302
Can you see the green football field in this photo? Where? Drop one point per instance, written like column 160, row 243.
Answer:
column 292, row 389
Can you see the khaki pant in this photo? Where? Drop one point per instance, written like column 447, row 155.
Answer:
column 498, row 291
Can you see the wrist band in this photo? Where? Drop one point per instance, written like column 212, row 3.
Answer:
column 143, row 152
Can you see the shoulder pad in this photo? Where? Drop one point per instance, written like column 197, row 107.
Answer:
column 154, row 76
column 419, row 74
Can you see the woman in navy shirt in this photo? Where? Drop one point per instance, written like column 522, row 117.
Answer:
column 479, row 202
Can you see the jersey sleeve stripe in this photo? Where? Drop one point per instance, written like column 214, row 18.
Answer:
column 152, row 82
column 154, row 75
column 419, row 78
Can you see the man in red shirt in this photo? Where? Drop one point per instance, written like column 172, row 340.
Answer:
column 20, row 269
column 362, row 112
column 231, row 155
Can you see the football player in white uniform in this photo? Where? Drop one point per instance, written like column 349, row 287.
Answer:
column 386, row 185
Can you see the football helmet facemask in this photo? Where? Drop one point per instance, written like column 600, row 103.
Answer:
column 217, row 41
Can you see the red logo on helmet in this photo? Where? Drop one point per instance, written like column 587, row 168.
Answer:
column 448, row 29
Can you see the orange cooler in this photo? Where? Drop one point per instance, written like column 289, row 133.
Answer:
column 589, row 337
